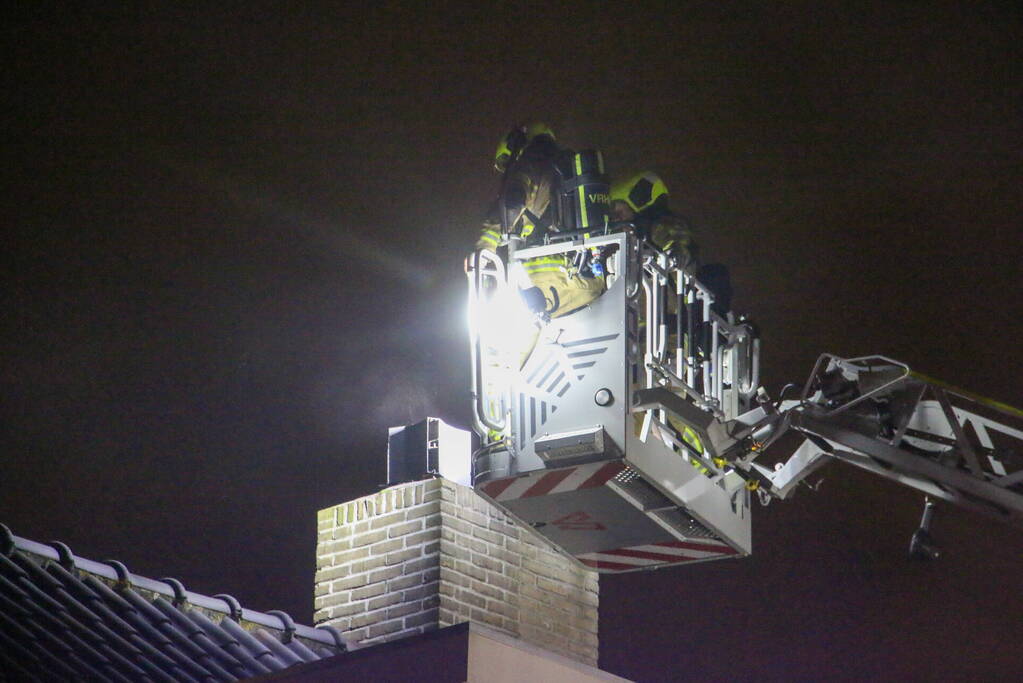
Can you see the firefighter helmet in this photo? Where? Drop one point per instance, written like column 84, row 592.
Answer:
column 644, row 192
column 515, row 140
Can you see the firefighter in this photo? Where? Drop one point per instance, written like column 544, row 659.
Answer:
column 643, row 200
column 526, row 157
column 527, row 208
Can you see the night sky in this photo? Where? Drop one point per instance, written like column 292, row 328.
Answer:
column 234, row 243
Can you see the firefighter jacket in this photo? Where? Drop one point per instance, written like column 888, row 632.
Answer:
column 527, row 207
column 672, row 234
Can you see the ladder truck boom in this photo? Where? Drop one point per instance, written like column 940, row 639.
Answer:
column 631, row 433
column 877, row 414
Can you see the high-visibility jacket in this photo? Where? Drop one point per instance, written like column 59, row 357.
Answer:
column 672, row 234
column 527, row 202
column 526, row 205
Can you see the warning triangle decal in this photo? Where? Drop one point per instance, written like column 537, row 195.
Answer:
column 578, row 521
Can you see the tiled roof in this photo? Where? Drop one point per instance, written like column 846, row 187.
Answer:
column 66, row 618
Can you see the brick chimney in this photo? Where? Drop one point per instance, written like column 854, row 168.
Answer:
column 432, row 553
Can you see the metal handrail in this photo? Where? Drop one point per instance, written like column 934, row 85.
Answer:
column 721, row 338
column 481, row 420
column 851, row 362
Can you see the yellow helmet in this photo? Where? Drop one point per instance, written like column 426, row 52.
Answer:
column 642, row 192
column 515, row 140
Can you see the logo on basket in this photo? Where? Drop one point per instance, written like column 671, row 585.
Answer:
column 578, row 521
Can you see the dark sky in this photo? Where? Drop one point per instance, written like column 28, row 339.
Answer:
column 234, row 242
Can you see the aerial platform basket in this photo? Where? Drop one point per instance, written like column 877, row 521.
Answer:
column 585, row 443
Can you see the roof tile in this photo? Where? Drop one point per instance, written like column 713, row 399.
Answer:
column 280, row 651
column 66, row 618
column 227, row 643
column 302, row 651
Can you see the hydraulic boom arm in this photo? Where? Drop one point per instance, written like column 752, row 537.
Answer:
column 629, row 433
column 877, row 414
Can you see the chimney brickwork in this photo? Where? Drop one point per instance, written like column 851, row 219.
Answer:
column 432, row 553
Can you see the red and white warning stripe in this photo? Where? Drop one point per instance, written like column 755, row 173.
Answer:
column 549, row 482
column 652, row 554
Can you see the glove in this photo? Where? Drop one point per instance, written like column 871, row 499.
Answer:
column 675, row 237
column 680, row 254
column 534, row 299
